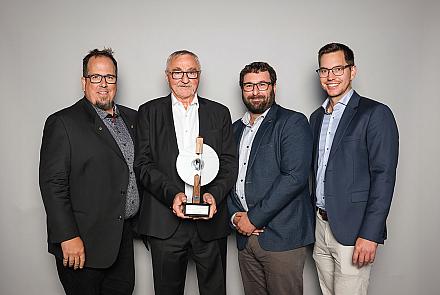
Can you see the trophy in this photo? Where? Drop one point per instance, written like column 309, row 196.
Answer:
column 197, row 169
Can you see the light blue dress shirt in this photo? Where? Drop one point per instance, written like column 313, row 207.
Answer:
column 329, row 126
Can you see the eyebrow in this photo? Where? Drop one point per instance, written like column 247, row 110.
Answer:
column 262, row 81
column 177, row 69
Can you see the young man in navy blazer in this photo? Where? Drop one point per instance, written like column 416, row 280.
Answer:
column 355, row 151
column 270, row 204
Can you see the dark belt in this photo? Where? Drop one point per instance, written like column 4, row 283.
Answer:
column 323, row 213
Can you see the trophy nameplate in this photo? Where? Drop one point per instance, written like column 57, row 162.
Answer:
column 197, row 170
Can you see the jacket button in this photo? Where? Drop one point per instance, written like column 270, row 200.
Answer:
column 100, row 128
column 120, row 217
column 122, row 192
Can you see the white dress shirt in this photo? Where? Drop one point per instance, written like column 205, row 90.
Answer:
column 247, row 138
column 186, row 126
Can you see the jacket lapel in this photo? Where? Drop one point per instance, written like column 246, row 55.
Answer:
column 316, row 135
column 128, row 123
column 348, row 115
column 101, row 130
column 203, row 118
column 265, row 125
column 168, row 122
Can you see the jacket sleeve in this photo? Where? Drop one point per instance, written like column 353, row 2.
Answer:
column 54, row 174
column 383, row 149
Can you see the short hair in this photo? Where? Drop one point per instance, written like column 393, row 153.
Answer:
column 180, row 53
column 258, row 67
column 107, row 52
column 334, row 47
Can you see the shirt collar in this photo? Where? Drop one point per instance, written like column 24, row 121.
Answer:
column 175, row 102
column 103, row 114
column 344, row 100
column 247, row 118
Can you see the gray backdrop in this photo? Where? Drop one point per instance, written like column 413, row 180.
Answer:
column 395, row 43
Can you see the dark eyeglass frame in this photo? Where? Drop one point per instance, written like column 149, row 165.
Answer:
column 261, row 86
column 177, row 75
column 336, row 68
column 100, row 78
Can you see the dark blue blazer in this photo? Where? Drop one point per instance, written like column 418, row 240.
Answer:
column 361, row 170
column 276, row 184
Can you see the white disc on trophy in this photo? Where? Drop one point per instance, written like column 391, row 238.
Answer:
column 188, row 165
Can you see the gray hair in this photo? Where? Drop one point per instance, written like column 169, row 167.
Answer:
column 180, row 53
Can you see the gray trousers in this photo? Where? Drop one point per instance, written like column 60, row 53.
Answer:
column 264, row 272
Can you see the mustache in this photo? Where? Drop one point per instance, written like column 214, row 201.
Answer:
column 258, row 96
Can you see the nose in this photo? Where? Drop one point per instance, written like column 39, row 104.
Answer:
column 185, row 78
column 103, row 82
column 255, row 90
column 331, row 75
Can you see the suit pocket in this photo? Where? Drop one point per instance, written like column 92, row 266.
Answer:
column 359, row 196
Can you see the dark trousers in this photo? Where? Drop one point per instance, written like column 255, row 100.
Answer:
column 265, row 272
column 118, row 279
column 170, row 260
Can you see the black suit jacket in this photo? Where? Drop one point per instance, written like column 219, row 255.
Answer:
column 156, row 152
column 83, row 181
column 361, row 170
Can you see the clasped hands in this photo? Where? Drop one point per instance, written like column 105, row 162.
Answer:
column 180, row 198
column 244, row 226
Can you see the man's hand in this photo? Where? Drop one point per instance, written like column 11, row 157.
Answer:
column 244, row 225
column 73, row 253
column 179, row 199
column 237, row 217
column 209, row 199
column 364, row 252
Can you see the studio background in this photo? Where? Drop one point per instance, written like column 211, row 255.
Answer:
column 396, row 43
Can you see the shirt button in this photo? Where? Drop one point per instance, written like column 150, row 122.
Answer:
column 241, row 180
column 244, row 163
column 247, row 147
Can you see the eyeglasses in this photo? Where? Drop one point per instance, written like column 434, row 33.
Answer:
column 261, row 86
column 179, row 74
column 337, row 71
column 96, row 78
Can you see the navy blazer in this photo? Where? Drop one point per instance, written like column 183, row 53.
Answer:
column 361, row 170
column 276, row 184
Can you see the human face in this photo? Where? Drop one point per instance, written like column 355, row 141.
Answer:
column 184, row 88
column 257, row 102
column 336, row 86
column 101, row 94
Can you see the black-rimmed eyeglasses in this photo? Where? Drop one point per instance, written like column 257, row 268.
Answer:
column 176, row 75
column 96, row 78
column 261, row 86
column 337, row 71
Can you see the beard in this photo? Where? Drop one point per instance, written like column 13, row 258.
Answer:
column 104, row 105
column 266, row 102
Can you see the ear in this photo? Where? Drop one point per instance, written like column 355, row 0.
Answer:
column 353, row 72
column 274, row 88
column 83, row 83
column 167, row 77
